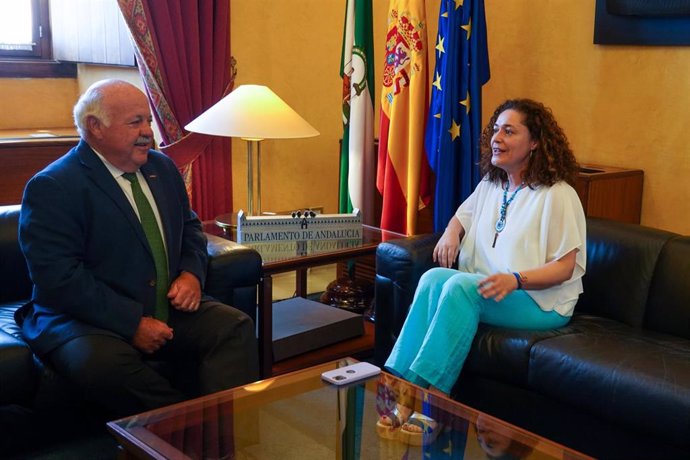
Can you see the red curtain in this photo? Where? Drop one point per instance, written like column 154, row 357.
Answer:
column 183, row 54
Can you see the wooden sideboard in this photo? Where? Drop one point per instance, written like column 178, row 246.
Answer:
column 22, row 156
column 610, row 192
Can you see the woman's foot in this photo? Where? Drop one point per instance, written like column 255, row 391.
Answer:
column 419, row 430
column 389, row 425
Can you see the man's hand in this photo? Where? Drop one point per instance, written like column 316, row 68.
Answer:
column 151, row 335
column 185, row 292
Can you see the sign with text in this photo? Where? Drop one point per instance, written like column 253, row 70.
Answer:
column 299, row 227
column 274, row 251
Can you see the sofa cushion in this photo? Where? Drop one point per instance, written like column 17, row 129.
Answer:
column 7, row 323
column 621, row 259
column 632, row 377
column 504, row 354
column 17, row 372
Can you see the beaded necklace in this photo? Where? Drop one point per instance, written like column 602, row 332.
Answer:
column 501, row 222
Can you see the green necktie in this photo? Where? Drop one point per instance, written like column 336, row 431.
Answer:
column 153, row 235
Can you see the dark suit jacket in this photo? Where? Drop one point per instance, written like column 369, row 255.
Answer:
column 88, row 257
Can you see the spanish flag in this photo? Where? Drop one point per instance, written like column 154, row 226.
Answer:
column 403, row 175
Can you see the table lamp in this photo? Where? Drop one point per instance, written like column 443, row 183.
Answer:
column 252, row 113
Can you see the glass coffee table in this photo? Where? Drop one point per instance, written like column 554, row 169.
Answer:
column 299, row 416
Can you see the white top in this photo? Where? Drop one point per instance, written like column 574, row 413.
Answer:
column 542, row 224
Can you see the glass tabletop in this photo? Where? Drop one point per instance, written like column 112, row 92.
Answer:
column 299, row 416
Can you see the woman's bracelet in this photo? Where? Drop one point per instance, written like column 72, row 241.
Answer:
column 518, row 277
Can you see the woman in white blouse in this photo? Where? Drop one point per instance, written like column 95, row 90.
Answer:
column 519, row 240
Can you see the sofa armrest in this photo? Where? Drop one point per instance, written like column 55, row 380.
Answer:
column 16, row 284
column 399, row 265
column 234, row 272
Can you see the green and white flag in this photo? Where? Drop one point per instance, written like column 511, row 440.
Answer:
column 357, row 155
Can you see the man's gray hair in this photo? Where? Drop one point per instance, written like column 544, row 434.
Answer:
column 90, row 104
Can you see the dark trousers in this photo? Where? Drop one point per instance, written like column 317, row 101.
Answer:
column 219, row 341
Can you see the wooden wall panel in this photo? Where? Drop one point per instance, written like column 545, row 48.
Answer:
column 610, row 192
column 20, row 159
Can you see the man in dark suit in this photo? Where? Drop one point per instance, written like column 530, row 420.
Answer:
column 101, row 310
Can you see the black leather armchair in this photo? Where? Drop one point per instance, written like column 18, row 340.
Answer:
column 614, row 382
column 26, row 386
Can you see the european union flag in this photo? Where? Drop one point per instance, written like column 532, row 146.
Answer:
column 455, row 113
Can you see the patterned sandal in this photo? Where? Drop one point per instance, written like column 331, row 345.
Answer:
column 429, row 429
column 395, row 419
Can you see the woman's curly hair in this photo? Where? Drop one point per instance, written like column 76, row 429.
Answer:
column 552, row 160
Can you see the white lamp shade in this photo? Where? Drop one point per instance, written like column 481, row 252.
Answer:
column 252, row 112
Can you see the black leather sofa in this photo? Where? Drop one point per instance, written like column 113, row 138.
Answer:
column 614, row 382
column 35, row 404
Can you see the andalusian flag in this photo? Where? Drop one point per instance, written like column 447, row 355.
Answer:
column 404, row 176
column 455, row 114
column 357, row 151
